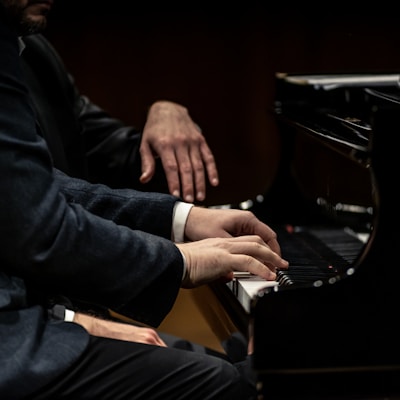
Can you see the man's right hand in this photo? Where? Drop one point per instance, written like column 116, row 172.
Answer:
column 217, row 258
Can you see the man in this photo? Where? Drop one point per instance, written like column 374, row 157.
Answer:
column 87, row 143
column 63, row 236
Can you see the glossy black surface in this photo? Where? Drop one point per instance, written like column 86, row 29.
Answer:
column 339, row 337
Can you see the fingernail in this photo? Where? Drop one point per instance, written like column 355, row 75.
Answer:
column 200, row 196
column 175, row 193
column 286, row 262
column 189, row 198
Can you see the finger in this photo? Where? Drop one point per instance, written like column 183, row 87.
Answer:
column 185, row 174
column 161, row 343
column 158, row 341
column 256, row 248
column 247, row 263
column 271, row 239
column 210, row 164
column 198, row 174
column 152, row 337
column 274, row 245
column 267, row 257
column 228, row 277
column 268, row 235
column 171, row 169
column 148, row 163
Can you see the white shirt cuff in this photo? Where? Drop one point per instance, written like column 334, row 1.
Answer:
column 181, row 212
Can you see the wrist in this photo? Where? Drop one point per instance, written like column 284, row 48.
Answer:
column 61, row 312
column 87, row 321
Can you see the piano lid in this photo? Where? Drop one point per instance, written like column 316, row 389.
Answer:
column 334, row 81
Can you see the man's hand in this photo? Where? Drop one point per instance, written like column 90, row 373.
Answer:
column 207, row 222
column 170, row 133
column 116, row 330
column 215, row 258
column 237, row 241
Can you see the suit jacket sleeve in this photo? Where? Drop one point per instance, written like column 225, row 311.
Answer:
column 56, row 244
column 75, row 128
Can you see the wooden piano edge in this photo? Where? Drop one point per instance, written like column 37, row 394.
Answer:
column 234, row 309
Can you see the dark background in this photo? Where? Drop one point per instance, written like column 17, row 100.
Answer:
column 219, row 61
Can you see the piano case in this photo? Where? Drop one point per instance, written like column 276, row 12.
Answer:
column 335, row 336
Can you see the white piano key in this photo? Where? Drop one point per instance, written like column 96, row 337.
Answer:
column 246, row 287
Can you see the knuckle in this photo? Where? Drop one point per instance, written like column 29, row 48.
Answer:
column 170, row 166
column 185, row 168
column 197, row 165
column 248, row 261
column 164, row 142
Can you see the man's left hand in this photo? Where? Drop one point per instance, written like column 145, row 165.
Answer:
column 171, row 134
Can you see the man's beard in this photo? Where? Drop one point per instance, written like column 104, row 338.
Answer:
column 22, row 22
column 29, row 27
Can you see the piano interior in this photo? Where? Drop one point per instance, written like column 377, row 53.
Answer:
column 328, row 326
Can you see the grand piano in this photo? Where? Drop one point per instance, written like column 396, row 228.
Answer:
column 328, row 327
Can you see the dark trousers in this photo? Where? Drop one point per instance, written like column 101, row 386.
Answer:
column 119, row 370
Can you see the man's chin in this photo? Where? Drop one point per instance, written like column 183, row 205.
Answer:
column 33, row 25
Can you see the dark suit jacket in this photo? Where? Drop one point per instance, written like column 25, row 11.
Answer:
column 51, row 243
column 83, row 139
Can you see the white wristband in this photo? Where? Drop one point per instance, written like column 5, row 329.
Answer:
column 69, row 315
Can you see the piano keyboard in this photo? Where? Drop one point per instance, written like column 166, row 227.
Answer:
column 314, row 254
